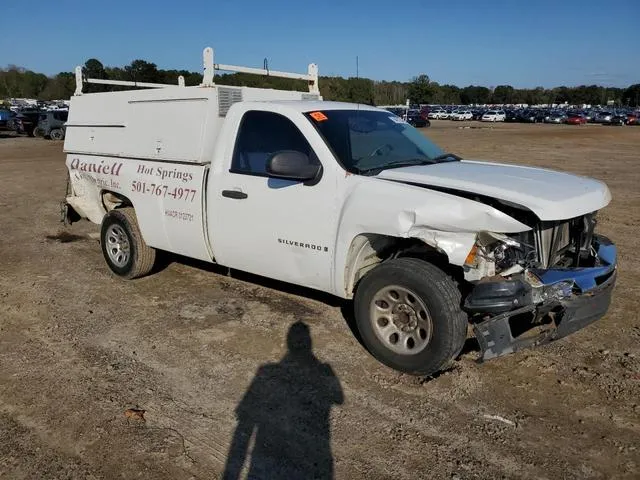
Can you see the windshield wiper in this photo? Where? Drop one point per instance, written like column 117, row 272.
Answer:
column 445, row 156
column 411, row 162
column 399, row 164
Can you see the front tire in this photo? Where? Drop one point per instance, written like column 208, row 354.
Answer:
column 409, row 316
column 123, row 247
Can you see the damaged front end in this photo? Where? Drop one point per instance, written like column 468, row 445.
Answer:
column 538, row 286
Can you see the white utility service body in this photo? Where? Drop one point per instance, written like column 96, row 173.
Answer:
column 171, row 154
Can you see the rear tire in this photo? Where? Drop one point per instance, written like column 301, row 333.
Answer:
column 123, row 247
column 409, row 316
column 56, row 134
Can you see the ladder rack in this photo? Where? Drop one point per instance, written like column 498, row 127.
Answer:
column 208, row 76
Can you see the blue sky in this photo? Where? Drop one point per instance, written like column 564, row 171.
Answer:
column 524, row 43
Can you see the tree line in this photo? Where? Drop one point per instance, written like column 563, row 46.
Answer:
column 16, row 82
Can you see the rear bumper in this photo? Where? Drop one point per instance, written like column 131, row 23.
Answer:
column 572, row 299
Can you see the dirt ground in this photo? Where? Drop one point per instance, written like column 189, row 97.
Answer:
column 205, row 354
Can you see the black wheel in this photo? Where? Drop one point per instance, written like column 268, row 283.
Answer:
column 409, row 316
column 56, row 134
column 124, row 250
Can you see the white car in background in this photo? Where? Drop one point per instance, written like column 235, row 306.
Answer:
column 437, row 115
column 462, row 115
column 494, row 116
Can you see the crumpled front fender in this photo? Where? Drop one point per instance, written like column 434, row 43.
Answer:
column 445, row 222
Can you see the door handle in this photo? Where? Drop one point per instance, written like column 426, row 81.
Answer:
column 237, row 194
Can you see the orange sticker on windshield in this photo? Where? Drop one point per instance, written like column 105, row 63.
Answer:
column 318, row 116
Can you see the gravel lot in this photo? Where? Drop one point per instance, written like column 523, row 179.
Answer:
column 205, row 354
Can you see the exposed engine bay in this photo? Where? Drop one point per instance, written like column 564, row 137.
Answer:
column 527, row 286
column 562, row 244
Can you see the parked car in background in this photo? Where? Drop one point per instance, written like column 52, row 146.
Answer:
column 462, row 115
column 493, row 116
column 576, row 119
column 590, row 115
column 436, row 114
column 542, row 115
column 617, row 119
column 477, row 114
column 25, row 122
column 556, row 117
column 633, row 118
column 511, row 116
column 416, row 119
column 52, row 125
column 604, row 117
column 5, row 116
column 528, row 116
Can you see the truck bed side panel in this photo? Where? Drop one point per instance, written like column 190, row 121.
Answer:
column 167, row 197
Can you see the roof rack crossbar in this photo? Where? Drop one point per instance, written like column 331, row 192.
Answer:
column 261, row 71
column 210, row 67
column 80, row 80
column 207, row 78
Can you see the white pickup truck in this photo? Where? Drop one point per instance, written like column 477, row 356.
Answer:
column 346, row 199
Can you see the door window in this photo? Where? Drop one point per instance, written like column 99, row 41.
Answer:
column 261, row 135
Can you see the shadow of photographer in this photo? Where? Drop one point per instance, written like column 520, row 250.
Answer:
column 285, row 415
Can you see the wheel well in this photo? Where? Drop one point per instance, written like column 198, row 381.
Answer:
column 112, row 200
column 367, row 250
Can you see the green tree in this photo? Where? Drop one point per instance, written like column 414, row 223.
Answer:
column 475, row 95
column 421, row 89
column 390, row 93
column 446, row 94
column 19, row 82
column 60, row 87
column 93, row 68
column 631, row 95
column 142, row 71
column 503, row 94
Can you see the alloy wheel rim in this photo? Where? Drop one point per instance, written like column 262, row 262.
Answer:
column 117, row 245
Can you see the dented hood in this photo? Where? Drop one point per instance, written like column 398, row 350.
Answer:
column 551, row 195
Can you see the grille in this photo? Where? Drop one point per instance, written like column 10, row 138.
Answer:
column 226, row 98
column 555, row 239
column 551, row 240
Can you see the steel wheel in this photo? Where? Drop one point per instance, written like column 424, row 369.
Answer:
column 56, row 134
column 117, row 245
column 401, row 320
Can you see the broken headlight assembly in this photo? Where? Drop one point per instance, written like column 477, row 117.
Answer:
column 556, row 291
column 499, row 254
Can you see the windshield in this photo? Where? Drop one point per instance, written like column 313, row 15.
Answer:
column 369, row 141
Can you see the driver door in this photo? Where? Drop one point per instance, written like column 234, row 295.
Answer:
column 278, row 228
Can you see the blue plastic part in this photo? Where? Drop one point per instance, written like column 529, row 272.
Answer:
column 584, row 278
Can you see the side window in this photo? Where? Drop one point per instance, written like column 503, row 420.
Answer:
column 262, row 134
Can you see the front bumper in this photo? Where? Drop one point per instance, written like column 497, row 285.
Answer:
column 573, row 298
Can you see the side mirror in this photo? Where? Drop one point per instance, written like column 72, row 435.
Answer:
column 292, row 165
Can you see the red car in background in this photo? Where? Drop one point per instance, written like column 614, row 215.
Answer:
column 633, row 118
column 576, row 119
